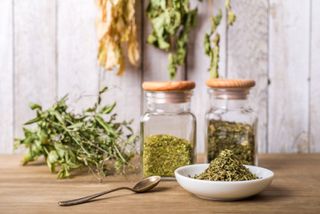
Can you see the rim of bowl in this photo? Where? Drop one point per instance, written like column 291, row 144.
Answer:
column 176, row 172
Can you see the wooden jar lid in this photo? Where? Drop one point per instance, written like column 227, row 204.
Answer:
column 230, row 83
column 169, row 86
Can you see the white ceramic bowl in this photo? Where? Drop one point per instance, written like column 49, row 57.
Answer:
column 222, row 190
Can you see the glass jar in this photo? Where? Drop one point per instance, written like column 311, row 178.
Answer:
column 168, row 128
column 231, row 123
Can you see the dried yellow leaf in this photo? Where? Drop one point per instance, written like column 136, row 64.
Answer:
column 116, row 29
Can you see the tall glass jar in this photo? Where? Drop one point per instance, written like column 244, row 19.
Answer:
column 230, row 121
column 168, row 128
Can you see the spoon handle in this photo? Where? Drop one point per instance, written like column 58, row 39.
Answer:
column 89, row 197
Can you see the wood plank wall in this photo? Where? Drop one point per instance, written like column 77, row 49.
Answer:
column 48, row 48
column 289, row 73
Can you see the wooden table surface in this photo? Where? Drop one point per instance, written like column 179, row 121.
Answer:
column 32, row 189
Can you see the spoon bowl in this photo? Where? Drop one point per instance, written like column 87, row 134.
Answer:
column 146, row 184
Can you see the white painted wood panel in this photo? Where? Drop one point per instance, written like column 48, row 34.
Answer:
column 6, row 76
column 34, row 57
column 248, row 56
column 315, row 78
column 48, row 48
column 289, row 68
column 78, row 73
column 198, row 63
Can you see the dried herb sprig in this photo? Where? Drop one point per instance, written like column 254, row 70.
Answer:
column 226, row 167
column 212, row 39
column 231, row 15
column 214, row 50
column 171, row 21
column 69, row 141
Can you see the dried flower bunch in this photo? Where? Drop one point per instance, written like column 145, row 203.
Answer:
column 116, row 28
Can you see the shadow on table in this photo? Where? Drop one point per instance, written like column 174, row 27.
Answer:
column 271, row 194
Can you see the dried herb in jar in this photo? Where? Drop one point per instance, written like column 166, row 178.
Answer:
column 226, row 167
column 238, row 137
column 162, row 154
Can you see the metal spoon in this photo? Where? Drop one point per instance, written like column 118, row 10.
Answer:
column 140, row 187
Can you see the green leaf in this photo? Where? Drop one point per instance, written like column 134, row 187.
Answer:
column 103, row 90
column 27, row 158
column 34, row 120
column 52, row 159
column 152, row 39
column 53, row 156
column 231, row 18
column 60, row 150
column 75, row 125
column 35, row 106
column 106, row 126
column 108, row 109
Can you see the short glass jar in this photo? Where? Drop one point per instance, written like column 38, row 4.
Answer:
column 230, row 121
column 168, row 128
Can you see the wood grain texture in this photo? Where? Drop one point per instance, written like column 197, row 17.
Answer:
column 315, row 78
column 126, row 89
column 78, row 73
column 248, row 57
column 198, row 63
column 6, row 76
column 33, row 189
column 34, row 57
column 288, row 90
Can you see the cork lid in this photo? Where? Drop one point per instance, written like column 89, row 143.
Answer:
column 230, row 83
column 169, row 86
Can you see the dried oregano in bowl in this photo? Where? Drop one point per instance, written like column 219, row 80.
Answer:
column 226, row 167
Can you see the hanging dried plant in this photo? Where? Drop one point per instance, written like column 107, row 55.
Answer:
column 212, row 39
column 117, row 30
column 171, row 21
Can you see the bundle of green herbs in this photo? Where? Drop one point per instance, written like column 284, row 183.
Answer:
column 226, row 167
column 171, row 21
column 93, row 139
column 162, row 154
column 238, row 137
